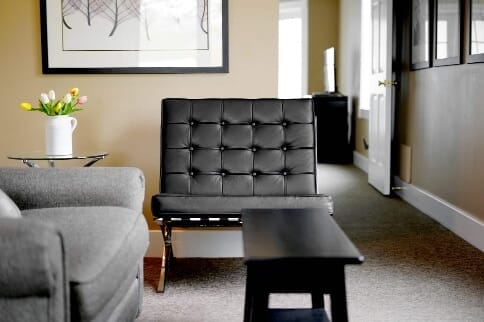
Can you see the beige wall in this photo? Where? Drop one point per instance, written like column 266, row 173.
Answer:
column 349, row 67
column 123, row 113
column 337, row 23
column 444, row 119
column 323, row 32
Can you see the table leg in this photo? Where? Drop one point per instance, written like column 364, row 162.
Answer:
column 256, row 300
column 248, row 298
column 260, row 304
column 30, row 163
column 94, row 160
column 339, row 312
column 317, row 300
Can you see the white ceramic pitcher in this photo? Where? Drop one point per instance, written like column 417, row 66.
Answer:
column 58, row 134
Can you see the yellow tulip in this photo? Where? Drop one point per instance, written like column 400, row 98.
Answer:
column 58, row 107
column 26, row 106
column 74, row 91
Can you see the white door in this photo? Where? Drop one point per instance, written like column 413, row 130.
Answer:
column 381, row 90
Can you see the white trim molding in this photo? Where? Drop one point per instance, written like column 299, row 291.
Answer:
column 199, row 242
column 453, row 218
column 360, row 161
column 156, row 244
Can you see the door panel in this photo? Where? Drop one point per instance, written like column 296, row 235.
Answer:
column 381, row 90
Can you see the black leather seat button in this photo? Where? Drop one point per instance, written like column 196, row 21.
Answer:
column 191, row 173
column 253, row 124
column 223, row 174
column 284, row 173
column 191, row 148
column 284, row 148
column 222, row 148
column 284, row 124
column 254, row 174
column 192, row 123
column 222, row 123
column 253, row 149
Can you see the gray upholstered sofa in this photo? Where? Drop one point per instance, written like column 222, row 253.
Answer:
column 73, row 248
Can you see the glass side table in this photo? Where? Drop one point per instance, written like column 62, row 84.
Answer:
column 29, row 158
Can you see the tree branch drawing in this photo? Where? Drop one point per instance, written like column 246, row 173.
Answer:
column 204, row 16
column 120, row 11
column 89, row 8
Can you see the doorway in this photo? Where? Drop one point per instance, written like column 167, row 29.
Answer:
column 293, row 48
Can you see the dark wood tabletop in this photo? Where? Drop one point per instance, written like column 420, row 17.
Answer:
column 296, row 235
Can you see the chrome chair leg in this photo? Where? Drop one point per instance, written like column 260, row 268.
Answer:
column 161, row 282
column 165, row 257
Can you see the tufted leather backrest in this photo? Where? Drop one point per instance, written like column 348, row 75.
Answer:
column 238, row 147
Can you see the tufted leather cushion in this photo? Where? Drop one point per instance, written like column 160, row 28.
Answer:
column 238, row 147
column 222, row 155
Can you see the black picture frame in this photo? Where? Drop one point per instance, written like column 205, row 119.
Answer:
column 208, row 52
column 475, row 50
column 421, row 34
column 447, row 40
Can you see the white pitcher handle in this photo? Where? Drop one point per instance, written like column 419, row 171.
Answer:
column 73, row 124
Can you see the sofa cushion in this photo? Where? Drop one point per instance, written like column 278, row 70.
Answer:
column 184, row 206
column 33, row 188
column 8, row 208
column 99, row 242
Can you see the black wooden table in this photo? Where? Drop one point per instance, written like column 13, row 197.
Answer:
column 295, row 251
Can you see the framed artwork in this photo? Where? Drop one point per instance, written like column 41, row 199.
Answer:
column 447, row 32
column 475, row 52
column 134, row 36
column 421, row 34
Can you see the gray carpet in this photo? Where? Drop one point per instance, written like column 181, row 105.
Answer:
column 414, row 269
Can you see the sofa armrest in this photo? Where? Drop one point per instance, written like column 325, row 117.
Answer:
column 33, row 188
column 32, row 268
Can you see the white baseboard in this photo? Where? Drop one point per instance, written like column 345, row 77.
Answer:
column 199, row 242
column 220, row 242
column 156, row 244
column 360, row 161
column 456, row 220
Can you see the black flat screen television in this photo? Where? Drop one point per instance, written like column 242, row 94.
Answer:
column 329, row 71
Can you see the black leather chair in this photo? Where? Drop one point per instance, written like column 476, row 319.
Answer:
column 219, row 156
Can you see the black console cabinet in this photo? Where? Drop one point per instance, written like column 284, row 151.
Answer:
column 333, row 130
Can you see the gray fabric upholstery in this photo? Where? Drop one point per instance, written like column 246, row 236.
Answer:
column 8, row 208
column 38, row 246
column 70, row 187
column 32, row 271
column 95, row 244
column 96, row 253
